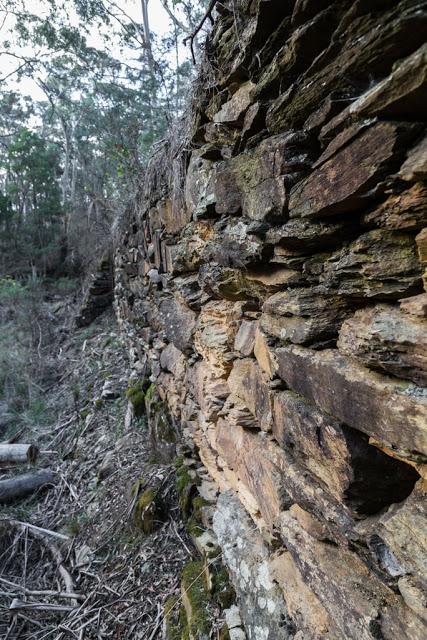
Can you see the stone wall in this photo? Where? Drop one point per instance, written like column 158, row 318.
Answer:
column 270, row 281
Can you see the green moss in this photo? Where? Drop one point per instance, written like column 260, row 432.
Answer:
column 178, row 462
column 193, row 527
column 98, row 403
column 174, row 627
column 186, row 486
column 149, row 394
column 145, row 510
column 224, row 634
column 194, row 586
column 136, row 397
column 222, row 590
column 198, row 504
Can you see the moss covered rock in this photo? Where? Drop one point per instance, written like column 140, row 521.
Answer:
column 195, row 598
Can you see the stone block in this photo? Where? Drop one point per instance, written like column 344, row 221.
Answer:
column 342, row 184
column 392, row 412
column 385, row 339
column 249, row 383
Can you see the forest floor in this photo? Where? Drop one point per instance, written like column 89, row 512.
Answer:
column 90, row 571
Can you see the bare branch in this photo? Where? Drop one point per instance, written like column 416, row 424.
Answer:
column 207, row 16
column 174, row 19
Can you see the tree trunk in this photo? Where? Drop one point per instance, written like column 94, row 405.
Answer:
column 25, row 485
column 18, row 453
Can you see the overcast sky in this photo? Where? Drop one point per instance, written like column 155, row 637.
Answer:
column 159, row 24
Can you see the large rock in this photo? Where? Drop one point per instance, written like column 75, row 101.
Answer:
column 354, row 472
column 251, row 284
column 217, row 326
column 342, row 184
column 385, row 339
column 187, row 254
column 249, row 383
column 258, row 182
column 304, row 607
column 303, row 315
column 179, row 322
column 392, row 412
column 406, row 210
column 356, row 49
column 380, row 265
column 415, row 166
column 209, row 390
column 247, row 557
column 360, row 605
column 232, row 112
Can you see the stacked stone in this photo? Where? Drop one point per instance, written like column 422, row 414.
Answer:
column 276, row 297
column 99, row 294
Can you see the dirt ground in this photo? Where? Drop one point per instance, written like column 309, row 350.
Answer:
column 74, row 561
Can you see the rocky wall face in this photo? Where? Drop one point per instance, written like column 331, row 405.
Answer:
column 274, row 290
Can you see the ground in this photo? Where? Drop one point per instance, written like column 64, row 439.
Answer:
column 116, row 540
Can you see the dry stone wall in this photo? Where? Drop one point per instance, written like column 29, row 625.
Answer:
column 271, row 280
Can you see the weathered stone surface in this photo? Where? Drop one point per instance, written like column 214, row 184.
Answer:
column 392, row 412
column 243, row 452
column 214, row 336
column 378, row 265
column 304, row 44
column 394, row 525
column 361, row 606
column 406, row 210
column 186, row 255
column 305, row 235
column 303, row 315
column 232, row 112
column 264, row 354
column 415, row 305
column 249, row 284
column 421, row 241
column 174, row 218
column 356, row 46
column 235, row 244
column 354, row 472
column 342, row 183
column 401, row 95
column 199, row 194
column 173, row 360
column 250, row 384
column 245, row 337
column 415, row 167
column 385, row 339
column 247, row 558
column 258, row 182
column 178, row 321
column 301, row 602
column 209, row 390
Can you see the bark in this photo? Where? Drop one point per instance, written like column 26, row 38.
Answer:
column 18, row 453
column 24, row 485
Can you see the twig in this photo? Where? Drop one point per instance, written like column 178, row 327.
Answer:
column 33, row 527
column 190, row 38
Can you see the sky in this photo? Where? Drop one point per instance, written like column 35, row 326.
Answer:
column 159, row 24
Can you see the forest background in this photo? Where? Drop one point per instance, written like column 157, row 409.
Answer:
column 87, row 89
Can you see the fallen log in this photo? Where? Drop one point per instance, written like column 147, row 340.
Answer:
column 18, row 453
column 24, row 485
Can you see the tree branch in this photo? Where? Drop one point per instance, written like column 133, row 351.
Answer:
column 190, row 38
column 174, row 19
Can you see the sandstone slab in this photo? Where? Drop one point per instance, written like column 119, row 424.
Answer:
column 342, row 183
column 386, row 339
column 392, row 412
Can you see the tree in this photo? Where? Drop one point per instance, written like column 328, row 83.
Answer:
column 30, row 202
